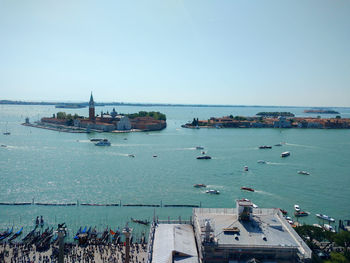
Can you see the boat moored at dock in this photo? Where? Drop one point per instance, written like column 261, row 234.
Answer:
column 297, row 208
column 325, row 217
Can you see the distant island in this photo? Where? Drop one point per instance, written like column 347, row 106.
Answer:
column 70, row 106
column 275, row 114
column 269, row 122
column 320, row 111
column 105, row 122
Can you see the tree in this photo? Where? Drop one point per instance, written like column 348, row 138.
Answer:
column 338, row 117
column 343, row 239
column 61, row 115
column 337, row 258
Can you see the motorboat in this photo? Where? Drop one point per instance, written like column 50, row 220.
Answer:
column 213, row 192
column 199, row 185
column 285, row 154
column 103, row 142
column 328, row 228
column 143, row 222
column 300, row 213
column 283, row 211
column 246, row 168
column 205, row 157
column 265, row 147
column 261, row 161
column 95, row 140
column 297, row 208
column 131, row 155
column 278, row 144
column 199, row 148
column 303, row 172
column 247, row 189
column 7, row 133
column 325, row 217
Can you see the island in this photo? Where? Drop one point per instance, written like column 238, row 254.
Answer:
column 320, row 111
column 269, row 122
column 275, row 114
column 105, row 122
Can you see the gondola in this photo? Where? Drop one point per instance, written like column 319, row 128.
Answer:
column 17, row 234
column 6, row 234
column 143, row 222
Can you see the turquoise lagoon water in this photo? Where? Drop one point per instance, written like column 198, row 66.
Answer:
column 56, row 167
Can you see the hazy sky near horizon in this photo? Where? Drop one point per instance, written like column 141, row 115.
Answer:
column 235, row 52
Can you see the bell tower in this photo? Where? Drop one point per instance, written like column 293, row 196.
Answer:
column 91, row 109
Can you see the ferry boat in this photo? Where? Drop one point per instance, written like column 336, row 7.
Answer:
column 297, row 208
column 103, row 142
column 265, row 147
column 247, row 189
column 205, row 157
column 325, row 217
column 285, row 154
column 303, row 172
column 213, row 192
column 199, row 185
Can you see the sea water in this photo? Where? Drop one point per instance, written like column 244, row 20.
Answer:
column 55, row 167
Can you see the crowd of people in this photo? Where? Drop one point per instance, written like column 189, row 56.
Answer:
column 114, row 253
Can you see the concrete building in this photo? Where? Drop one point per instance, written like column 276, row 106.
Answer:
column 282, row 123
column 246, row 233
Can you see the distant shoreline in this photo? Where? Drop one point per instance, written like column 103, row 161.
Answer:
column 44, row 103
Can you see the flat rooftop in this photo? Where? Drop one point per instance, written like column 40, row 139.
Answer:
column 267, row 229
column 174, row 243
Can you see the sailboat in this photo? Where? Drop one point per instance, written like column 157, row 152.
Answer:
column 7, row 132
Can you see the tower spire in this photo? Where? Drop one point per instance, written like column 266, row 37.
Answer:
column 91, row 108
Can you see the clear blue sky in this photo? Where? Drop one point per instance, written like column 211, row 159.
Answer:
column 165, row 51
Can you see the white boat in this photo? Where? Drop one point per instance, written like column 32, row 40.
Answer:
column 213, row 192
column 199, row 147
column 285, row 154
column 303, row 172
column 103, row 142
column 261, row 161
column 328, row 228
column 325, row 217
column 297, row 208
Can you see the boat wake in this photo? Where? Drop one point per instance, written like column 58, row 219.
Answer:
column 272, row 163
column 301, row 145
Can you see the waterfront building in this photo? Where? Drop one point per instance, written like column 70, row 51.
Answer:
column 228, row 235
column 282, row 123
column 246, row 233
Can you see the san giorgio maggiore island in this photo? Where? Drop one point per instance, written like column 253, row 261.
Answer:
column 105, row 122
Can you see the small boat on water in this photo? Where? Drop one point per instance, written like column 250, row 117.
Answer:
column 3, row 145
column 300, row 213
column 95, row 140
column 103, row 142
column 297, row 208
column 245, row 168
column 213, row 192
column 261, row 161
column 265, row 147
column 199, row 185
column 131, row 155
column 205, row 157
column 199, row 148
column 303, row 172
column 285, row 154
column 278, row 144
column 6, row 234
column 283, row 211
column 143, row 222
column 7, row 133
column 325, row 217
column 17, row 234
column 247, row 189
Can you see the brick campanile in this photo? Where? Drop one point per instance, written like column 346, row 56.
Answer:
column 91, row 109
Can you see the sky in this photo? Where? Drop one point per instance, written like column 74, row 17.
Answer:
column 232, row 52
